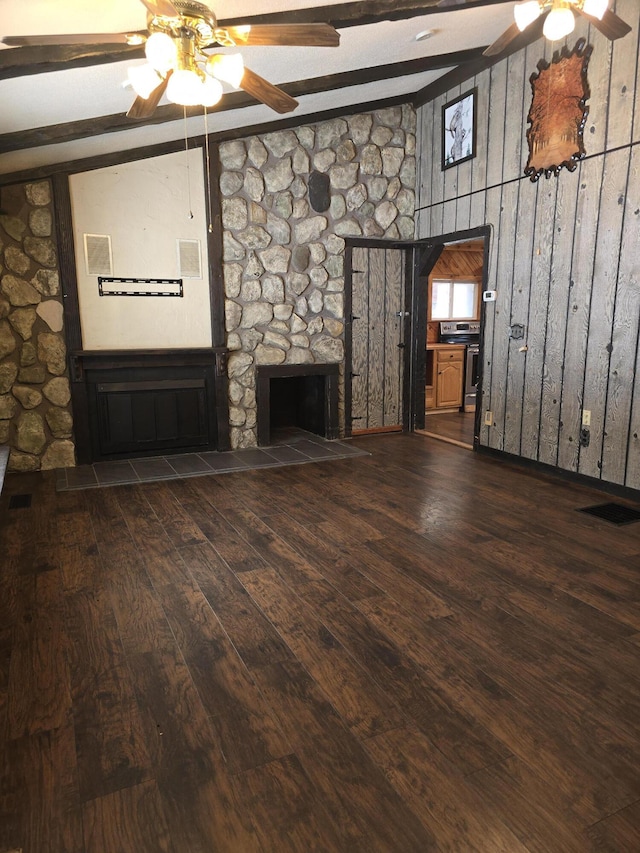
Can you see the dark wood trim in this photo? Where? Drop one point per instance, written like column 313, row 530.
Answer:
column 348, row 336
column 408, row 320
column 38, row 59
column 560, row 473
column 131, row 154
column 427, row 254
column 466, row 72
column 42, row 59
column 71, row 309
column 425, row 258
column 59, row 133
column 211, row 164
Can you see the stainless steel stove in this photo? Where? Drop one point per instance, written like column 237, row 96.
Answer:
column 468, row 333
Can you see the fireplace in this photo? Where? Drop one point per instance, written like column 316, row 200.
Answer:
column 297, row 395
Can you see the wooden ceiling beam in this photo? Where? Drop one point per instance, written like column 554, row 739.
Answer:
column 26, row 61
column 42, row 59
column 55, row 134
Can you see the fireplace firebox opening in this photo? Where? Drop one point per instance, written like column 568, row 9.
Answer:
column 301, row 395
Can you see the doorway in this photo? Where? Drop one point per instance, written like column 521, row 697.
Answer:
column 449, row 281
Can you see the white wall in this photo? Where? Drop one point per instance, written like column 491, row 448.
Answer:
column 145, row 208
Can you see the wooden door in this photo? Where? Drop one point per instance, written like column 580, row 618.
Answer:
column 449, row 383
column 378, row 326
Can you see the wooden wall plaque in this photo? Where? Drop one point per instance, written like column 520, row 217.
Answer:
column 558, row 112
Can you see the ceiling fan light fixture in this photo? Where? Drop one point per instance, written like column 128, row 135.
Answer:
column 526, row 13
column 161, row 51
column 596, row 8
column 135, row 39
column 185, row 88
column 226, row 67
column 210, row 92
column 144, row 79
column 560, row 23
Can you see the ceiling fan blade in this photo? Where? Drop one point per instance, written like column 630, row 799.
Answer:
column 145, row 107
column 161, row 7
column 309, row 35
column 271, row 95
column 503, row 41
column 79, row 38
column 610, row 26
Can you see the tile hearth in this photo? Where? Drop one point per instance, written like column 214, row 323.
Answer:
column 294, row 447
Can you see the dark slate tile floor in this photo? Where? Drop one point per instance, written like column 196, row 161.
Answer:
column 291, row 447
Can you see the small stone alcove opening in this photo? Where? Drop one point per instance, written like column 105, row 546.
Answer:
column 303, row 396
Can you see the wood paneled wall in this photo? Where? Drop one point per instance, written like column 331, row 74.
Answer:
column 564, row 260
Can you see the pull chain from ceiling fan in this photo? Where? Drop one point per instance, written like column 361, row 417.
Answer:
column 186, row 150
column 208, row 159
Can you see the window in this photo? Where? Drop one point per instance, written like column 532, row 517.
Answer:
column 453, row 299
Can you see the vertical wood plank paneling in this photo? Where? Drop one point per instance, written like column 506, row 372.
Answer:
column 537, row 322
column 603, row 294
column 479, row 162
column 624, row 67
column 623, row 374
column 393, row 377
column 493, row 219
column 449, row 215
column 450, row 176
column 495, row 148
column 636, row 89
column 497, row 118
column 437, row 173
column 377, row 329
column 590, row 181
column 523, row 250
column 515, row 120
column 553, row 374
column 504, row 283
column 359, row 336
column 502, row 313
column 599, row 75
column 558, row 247
column 424, row 149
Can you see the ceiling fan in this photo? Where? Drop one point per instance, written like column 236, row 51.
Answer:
column 179, row 36
column 558, row 18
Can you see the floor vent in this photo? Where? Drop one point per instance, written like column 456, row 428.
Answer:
column 19, row 501
column 613, row 512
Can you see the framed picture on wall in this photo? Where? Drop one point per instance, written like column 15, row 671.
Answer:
column 459, row 130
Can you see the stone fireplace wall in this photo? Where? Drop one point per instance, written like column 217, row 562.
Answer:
column 35, row 414
column 284, row 248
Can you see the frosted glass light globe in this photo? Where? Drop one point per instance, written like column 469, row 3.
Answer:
column 559, row 23
column 526, row 13
column 161, row 52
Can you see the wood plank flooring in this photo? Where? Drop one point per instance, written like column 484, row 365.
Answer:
column 421, row 649
column 454, row 427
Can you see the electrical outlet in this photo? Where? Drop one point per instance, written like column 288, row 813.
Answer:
column 585, row 437
column 586, row 417
column 488, row 418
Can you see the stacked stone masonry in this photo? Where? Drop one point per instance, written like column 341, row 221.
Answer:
column 35, row 415
column 283, row 260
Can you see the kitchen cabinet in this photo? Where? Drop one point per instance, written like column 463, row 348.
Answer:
column 445, row 376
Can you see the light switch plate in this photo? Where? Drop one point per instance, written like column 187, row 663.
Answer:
column 489, row 296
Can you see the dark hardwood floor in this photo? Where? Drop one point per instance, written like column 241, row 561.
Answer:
column 422, row 649
column 453, row 427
